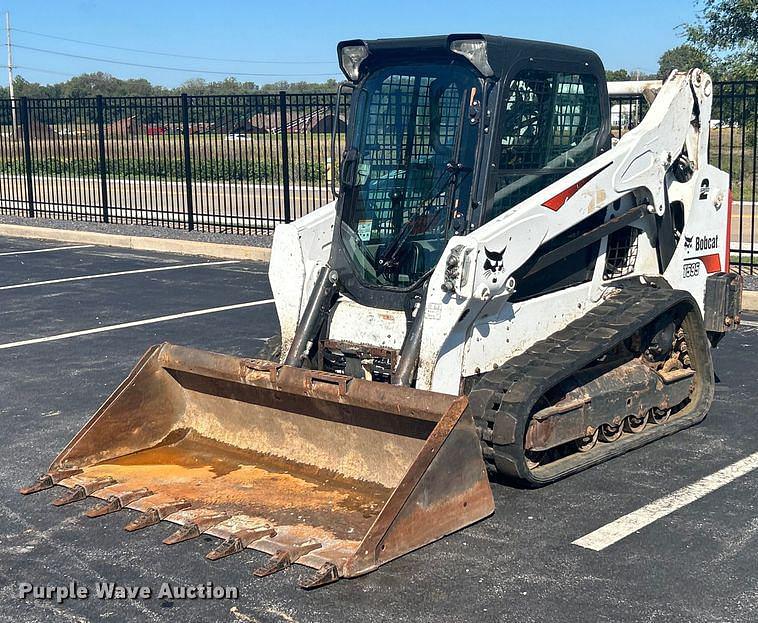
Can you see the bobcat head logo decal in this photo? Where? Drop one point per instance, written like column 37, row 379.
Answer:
column 494, row 261
column 688, row 242
column 704, row 190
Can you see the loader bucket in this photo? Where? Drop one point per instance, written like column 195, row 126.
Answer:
column 334, row 473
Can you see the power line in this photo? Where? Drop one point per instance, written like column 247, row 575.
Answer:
column 197, row 58
column 163, row 67
column 46, row 71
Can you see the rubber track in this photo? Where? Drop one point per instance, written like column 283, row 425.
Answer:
column 502, row 401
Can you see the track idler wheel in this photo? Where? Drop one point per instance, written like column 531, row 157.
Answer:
column 533, row 458
column 610, row 432
column 585, row 444
column 660, row 416
column 636, row 424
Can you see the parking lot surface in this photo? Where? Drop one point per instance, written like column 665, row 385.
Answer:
column 74, row 321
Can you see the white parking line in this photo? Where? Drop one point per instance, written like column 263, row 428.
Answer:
column 748, row 323
column 634, row 521
column 115, row 274
column 48, row 249
column 135, row 323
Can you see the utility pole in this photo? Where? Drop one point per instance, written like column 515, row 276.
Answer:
column 10, row 69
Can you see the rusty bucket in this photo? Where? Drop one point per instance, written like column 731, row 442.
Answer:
column 327, row 471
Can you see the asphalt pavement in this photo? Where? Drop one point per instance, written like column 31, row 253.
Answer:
column 67, row 343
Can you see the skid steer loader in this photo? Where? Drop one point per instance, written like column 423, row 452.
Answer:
column 499, row 287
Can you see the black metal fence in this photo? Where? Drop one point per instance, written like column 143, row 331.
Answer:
column 734, row 148
column 237, row 164
column 243, row 163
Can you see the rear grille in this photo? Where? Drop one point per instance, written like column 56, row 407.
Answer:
column 621, row 255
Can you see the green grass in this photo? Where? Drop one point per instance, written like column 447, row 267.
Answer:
column 737, row 147
column 257, row 158
column 744, row 259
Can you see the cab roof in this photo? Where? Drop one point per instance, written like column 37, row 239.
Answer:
column 502, row 52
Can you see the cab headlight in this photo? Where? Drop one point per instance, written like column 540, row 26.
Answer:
column 351, row 57
column 475, row 51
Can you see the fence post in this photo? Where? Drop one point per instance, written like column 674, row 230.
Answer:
column 187, row 162
column 285, row 156
column 26, row 136
column 101, row 158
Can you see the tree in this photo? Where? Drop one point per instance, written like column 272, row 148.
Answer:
column 685, row 57
column 227, row 86
column 617, row 75
column 101, row 83
column 730, row 29
column 87, row 85
column 23, row 87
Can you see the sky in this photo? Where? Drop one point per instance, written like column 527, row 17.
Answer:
column 295, row 39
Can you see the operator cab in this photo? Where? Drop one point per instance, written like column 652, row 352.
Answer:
column 446, row 133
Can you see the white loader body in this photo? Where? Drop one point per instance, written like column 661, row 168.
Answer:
column 631, row 173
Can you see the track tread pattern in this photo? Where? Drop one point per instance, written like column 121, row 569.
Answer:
column 503, row 399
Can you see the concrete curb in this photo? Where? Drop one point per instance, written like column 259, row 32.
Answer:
column 750, row 300
column 142, row 243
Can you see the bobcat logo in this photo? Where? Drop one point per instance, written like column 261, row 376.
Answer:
column 688, row 242
column 494, row 261
column 704, row 190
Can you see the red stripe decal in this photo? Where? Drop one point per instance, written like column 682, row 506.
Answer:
column 558, row 201
column 711, row 262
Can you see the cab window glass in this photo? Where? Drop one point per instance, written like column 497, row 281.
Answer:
column 549, row 127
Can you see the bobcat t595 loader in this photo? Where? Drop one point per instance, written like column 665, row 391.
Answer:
column 500, row 286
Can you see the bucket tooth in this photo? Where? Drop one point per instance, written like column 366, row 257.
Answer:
column 117, row 502
column 81, row 491
column 284, row 558
column 184, row 533
column 232, row 545
column 325, row 574
column 201, row 524
column 239, row 541
column 73, row 495
column 111, row 505
column 45, row 481
column 149, row 518
column 278, row 562
column 154, row 514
